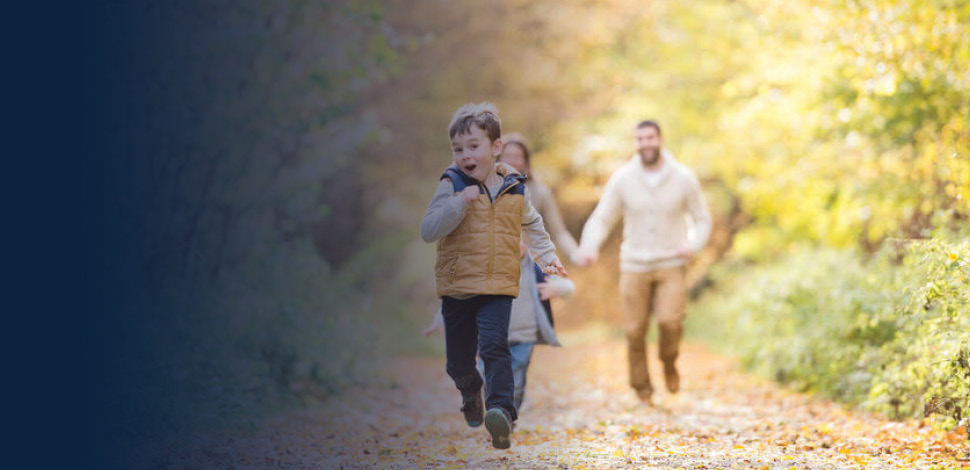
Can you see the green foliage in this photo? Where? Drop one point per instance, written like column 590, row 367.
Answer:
column 889, row 334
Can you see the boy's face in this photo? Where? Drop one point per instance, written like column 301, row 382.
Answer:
column 475, row 154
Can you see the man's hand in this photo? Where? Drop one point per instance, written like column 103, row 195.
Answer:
column 470, row 194
column 585, row 259
column 556, row 268
column 686, row 253
column 547, row 290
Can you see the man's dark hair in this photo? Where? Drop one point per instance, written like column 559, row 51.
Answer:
column 650, row 123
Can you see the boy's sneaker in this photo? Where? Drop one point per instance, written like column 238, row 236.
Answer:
column 473, row 407
column 500, row 427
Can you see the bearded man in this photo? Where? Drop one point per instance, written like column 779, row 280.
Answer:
column 666, row 222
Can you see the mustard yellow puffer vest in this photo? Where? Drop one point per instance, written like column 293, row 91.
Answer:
column 481, row 255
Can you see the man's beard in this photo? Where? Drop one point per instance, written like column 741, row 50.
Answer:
column 649, row 156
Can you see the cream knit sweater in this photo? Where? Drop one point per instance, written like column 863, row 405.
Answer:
column 655, row 215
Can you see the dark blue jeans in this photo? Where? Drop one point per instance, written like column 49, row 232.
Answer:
column 480, row 325
column 521, row 357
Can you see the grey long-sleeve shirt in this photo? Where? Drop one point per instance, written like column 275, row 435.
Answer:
column 446, row 211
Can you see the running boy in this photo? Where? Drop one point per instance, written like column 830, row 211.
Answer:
column 530, row 322
column 478, row 214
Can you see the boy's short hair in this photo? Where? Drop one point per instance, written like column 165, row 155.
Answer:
column 483, row 115
column 650, row 123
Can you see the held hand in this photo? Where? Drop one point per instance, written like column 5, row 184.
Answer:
column 470, row 194
column 547, row 291
column 584, row 259
column 556, row 268
column 685, row 253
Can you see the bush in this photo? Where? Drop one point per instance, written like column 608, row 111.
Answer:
column 889, row 333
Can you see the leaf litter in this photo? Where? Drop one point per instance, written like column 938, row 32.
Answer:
column 579, row 414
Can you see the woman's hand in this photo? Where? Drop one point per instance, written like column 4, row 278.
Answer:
column 437, row 324
column 547, row 290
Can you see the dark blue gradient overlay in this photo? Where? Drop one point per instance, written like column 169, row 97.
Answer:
column 188, row 226
column 131, row 60
column 141, row 98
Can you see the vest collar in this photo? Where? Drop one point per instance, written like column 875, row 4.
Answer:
column 510, row 177
column 460, row 180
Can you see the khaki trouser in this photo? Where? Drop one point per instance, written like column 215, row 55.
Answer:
column 661, row 293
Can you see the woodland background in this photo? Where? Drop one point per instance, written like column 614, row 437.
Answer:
column 276, row 158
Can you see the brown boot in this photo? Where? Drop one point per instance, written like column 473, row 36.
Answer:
column 671, row 377
column 645, row 395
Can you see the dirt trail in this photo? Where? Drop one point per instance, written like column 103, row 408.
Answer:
column 580, row 414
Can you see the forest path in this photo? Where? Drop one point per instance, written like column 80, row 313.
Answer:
column 580, row 413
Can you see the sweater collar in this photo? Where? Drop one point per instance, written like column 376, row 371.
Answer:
column 668, row 159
